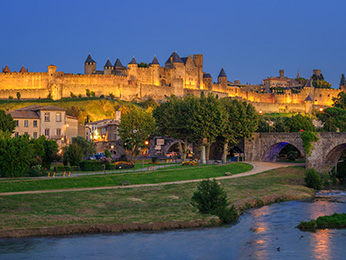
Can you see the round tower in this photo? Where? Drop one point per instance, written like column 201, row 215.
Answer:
column 155, row 67
column 89, row 66
column 222, row 79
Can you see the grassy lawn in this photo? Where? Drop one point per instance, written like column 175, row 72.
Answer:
column 144, row 204
column 161, row 175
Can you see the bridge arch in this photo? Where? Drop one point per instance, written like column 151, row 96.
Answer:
column 266, row 146
column 333, row 156
column 272, row 152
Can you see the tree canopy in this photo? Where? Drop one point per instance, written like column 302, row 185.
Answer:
column 134, row 129
column 6, row 122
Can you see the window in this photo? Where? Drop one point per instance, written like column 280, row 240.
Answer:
column 58, row 131
column 17, row 122
column 25, row 133
column 34, row 123
column 46, row 116
column 35, row 135
column 58, row 117
column 46, row 132
column 16, row 134
column 26, row 123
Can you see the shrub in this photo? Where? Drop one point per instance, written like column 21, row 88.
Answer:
column 227, row 215
column 209, row 197
column 154, row 159
column 10, row 97
column 108, row 154
column 37, row 171
column 124, row 165
column 91, row 165
column 313, row 179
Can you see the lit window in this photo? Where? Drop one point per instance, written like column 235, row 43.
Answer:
column 26, row 123
column 34, row 123
column 58, row 117
column 47, row 117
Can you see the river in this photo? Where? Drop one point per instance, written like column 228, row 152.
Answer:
column 264, row 233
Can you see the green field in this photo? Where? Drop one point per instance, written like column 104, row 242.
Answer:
column 161, row 175
column 160, row 204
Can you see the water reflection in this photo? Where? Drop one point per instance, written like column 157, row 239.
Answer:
column 321, row 244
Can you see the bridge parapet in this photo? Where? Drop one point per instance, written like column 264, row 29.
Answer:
column 323, row 157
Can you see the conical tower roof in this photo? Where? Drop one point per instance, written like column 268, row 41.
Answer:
column 89, row 59
column 23, row 70
column 133, row 61
column 222, row 74
column 6, row 69
column 155, row 61
column 118, row 63
column 308, row 98
column 176, row 58
column 108, row 64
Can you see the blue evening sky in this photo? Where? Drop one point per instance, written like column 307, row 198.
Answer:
column 250, row 39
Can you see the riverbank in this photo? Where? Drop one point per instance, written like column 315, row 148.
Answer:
column 142, row 208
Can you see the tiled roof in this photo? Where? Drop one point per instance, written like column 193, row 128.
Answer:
column 155, row 61
column 89, row 59
column 108, row 64
column 176, row 58
column 222, row 74
column 207, row 76
column 23, row 114
column 118, row 63
column 133, row 61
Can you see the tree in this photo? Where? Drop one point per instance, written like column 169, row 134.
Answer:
column 76, row 112
column 210, row 198
column 92, row 93
column 18, row 95
column 134, row 129
column 15, row 155
column 88, row 92
column 172, row 119
column 208, row 118
column 333, row 118
column 321, row 84
column 46, row 150
column 342, row 80
column 241, row 121
column 88, row 147
column 143, row 65
column 111, row 95
column 340, row 100
column 6, row 122
column 299, row 122
column 73, row 154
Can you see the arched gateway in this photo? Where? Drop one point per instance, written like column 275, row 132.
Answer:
column 324, row 154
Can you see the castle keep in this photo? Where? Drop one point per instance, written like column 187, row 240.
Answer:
column 179, row 76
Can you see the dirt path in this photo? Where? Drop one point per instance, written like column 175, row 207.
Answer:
column 257, row 168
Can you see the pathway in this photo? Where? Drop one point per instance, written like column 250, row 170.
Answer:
column 257, row 168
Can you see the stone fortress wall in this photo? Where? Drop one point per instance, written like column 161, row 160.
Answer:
column 179, row 76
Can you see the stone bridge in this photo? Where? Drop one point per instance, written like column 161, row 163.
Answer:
column 324, row 156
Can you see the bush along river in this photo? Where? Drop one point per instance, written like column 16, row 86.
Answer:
column 268, row 232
